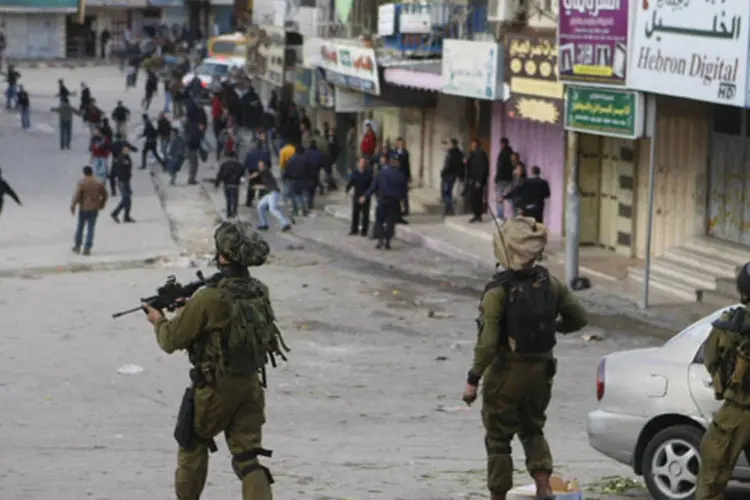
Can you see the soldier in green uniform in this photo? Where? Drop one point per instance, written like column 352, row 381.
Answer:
column 228, row 331
column 726, row 355
column 522, row 308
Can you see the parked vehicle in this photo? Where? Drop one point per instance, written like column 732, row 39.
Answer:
column 212, row 70
column 228, row 45
column 654, row 406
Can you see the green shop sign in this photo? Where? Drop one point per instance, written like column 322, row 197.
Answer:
column 613, row 113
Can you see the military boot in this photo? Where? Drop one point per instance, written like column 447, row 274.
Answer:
column 543, row 488
column 497, row 496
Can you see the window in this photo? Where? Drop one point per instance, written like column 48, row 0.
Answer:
column 699, row 355
column 728, row 120
column 224, row 47
column 212, row 69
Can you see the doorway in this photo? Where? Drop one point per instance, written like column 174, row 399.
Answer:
column 80, row 38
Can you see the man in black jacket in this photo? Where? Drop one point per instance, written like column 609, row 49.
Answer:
column 123, row 172
column 453, row 169
column 477, row 172
column 503, row 175
column 151, row 135
column 116, row 149
column 532, row 194
column 360, row 181
column 230, row 174
column 404, row 165
column 6, row 189
column 121, row 115
column 296, row 176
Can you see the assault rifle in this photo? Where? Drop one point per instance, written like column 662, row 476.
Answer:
column 171, row 293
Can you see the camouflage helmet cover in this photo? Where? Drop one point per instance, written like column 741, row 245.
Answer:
column 241, row 244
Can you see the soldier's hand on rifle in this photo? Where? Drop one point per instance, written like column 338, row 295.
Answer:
column 470, row 394
column 151, row 313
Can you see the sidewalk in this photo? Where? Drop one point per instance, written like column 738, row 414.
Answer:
column 610, row 287
column 61, row 63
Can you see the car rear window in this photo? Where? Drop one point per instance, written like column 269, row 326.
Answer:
column 224, row 47
column 212, row 69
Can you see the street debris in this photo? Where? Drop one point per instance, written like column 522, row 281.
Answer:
column 130, row 369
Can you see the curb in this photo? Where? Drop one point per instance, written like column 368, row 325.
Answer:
column 62, row 63
column 85, row 267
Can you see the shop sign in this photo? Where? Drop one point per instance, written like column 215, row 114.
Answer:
column 696, row 50
column 265, row 54
column 325, row 96
column 599, row 111
column 473, row 69
column 535, row 92
column 303, row 87
column 593, row 40
column 123, row 3
column 351, row 67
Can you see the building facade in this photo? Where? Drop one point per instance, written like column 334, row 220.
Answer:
column 35, row 29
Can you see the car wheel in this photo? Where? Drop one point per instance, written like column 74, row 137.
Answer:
column 671, row 461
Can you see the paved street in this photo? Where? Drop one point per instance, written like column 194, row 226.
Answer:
column 367, row 408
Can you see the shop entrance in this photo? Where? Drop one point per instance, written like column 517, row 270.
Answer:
column 80, row 38
column 606, row 172
column 729, row 176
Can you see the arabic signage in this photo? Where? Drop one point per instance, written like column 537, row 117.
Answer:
column 265, row 54
column 692, row 49
column 609, row 112
column 325, row 96
column 351, row 67
column 593, row 38
column 535, row 93
column 303, row 87
column 473, row 69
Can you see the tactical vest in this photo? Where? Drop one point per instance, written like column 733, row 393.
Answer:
column 731, row 371
column 529, row 310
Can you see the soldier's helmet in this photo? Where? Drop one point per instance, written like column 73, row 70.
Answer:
column 743, row 281
column 241, row 244
column 519, row 242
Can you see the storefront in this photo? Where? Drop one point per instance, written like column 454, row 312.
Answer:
column 266, row 61
column 532, row 116
column 111, row 15
column 608, row 123
column 702, row 119
column 172, row 12
column 222, row 15
column 36, row 29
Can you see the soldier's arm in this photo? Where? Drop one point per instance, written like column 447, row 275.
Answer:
column 711, row 352
column 489, row 334
column 573, row 316
column 182, row 330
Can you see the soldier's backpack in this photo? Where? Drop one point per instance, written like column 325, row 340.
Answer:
column 732, row 367
column 252, row 339
column 530, row 310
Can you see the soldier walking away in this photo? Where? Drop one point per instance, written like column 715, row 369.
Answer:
column 228, row 342
column 90, row 197
column 389, row 187
column 123, row 172
column 66, row 112
column 518, row 320
column 230, row 175
column 121, row 115
column 24, row 107
column 6, row 189
column 151, row 135
column 477, row 172
column 360, row 181
column 726, row 356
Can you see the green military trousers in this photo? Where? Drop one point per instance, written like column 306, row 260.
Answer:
column 236, row 406
column 514, row 401
column 726, row 437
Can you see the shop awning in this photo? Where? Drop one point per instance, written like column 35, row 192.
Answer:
column 420, row 75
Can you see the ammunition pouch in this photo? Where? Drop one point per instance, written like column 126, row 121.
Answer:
column 184, row 429
column 740, row 374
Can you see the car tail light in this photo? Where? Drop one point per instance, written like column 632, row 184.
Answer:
column 600, row 380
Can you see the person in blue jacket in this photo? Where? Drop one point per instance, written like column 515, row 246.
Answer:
column 315, row 161
column 390, row 187
column 254, row 156
column 296, row 177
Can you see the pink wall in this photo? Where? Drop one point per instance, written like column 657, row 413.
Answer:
column 536, row 144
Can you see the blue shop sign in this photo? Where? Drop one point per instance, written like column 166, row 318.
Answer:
column 351, row 82
column 303, row 86
column 166, row 3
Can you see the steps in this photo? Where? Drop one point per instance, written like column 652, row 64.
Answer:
column 703, row 269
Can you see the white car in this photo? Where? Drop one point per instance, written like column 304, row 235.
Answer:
column 213, row 68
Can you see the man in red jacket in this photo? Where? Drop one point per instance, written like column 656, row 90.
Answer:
column 100, row 149
column 369, row 142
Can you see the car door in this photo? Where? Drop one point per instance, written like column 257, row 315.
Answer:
column 702, row 390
